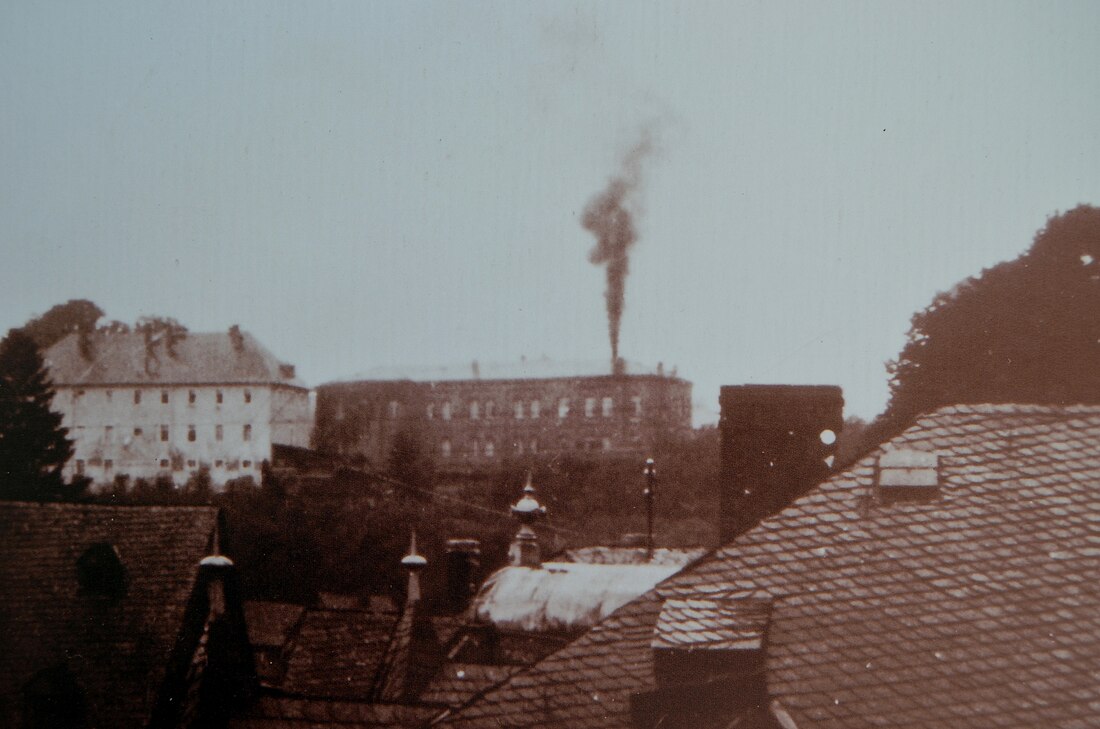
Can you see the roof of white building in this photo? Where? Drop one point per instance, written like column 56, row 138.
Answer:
column 527, row 368
column 197, row 358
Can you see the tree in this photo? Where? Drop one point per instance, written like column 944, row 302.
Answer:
column 33, row 445
column 75, row 315
column 1026, row 330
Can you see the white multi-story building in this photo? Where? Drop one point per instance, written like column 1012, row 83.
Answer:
column 142, row 406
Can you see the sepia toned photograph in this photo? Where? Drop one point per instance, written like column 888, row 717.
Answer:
column 484, row 364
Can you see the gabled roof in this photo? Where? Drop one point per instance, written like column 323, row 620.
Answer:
column 337, row 654
column 198, row 358
column 116, row 649
column 978, row 608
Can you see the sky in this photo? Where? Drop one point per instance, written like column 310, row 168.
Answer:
column 372, row 184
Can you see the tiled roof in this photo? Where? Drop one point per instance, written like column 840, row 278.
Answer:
column 116, row 649
column 197, row 358
column 337, row 653
column 270, row 623
column 276, row 712
column 457, row 683
column 979, row 608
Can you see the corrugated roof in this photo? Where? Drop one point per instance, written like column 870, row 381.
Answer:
column 562, row 596
column 124, row 359
column 979, row 609
column 117, row 650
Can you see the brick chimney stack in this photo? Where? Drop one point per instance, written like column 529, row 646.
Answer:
column 777, row 442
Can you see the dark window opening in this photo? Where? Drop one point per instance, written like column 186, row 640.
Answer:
column 99, row 571
column 53, row 698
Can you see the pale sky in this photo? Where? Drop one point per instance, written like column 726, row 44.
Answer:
column 366, row 184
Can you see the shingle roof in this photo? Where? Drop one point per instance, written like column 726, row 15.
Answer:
column 117, row 650
column 270, row 623
column 275, row 712
column 123, row 359
column 980, row 608
column 337, row 653
column 456, row 683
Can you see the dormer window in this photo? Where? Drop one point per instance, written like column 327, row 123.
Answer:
column 908, row 475
column 100, row 572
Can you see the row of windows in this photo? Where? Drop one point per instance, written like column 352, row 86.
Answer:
column 109, row 465
column 488, row 449
column 165, row 396
column 192, row 432
column 523, row 410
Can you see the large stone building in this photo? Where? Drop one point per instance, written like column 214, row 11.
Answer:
column 473, row 422
column 144, row 406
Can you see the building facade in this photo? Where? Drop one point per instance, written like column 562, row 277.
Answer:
column 143, row 408
column 477, row 423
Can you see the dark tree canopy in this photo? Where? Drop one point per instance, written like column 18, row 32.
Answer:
column 33, row 445
column 75, row 315
column 1026, row 330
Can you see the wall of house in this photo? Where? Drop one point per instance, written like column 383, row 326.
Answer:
column 476, row 423
column 144, row 431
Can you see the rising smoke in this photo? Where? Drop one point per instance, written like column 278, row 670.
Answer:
column 607, row 216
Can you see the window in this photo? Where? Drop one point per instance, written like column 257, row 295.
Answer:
column 490, row 449
column 445, row 448
column 218, row 397
column 474, row 411
column 190, row 463
column 110, row 394
column 164, row 433
column 164, row 463
column 79, row 467
column 137, row 432
column 637, row 400
column 446, row 411
column 191, row 397
column 219, row 463
column 246, row 464
column 535, row 445
column 519, row 411
column 518, row 446
column 108, row 464
column 137, row 397
column 490, row 409
column 563, row 407
column 589, row 407
column 247, row 432
column 607, row 444
column 79, row 393
column 431, row 411
column 219, row 432
column 608, row 406
column 108, row 433
column 163, row 397
column 473, row 449
column 536, row 408
column 191, row 433
column 395, row 407
column 247, row 396
column 99, row 571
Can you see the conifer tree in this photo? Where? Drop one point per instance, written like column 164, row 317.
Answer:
column 34, row 447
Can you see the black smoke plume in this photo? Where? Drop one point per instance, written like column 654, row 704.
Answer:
column 607, row 216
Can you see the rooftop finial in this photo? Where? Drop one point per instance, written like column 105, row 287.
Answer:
column 414, row 563
column 524, row 551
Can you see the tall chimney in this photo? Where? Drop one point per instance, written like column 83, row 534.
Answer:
column 463, row 559
column 777, row 442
